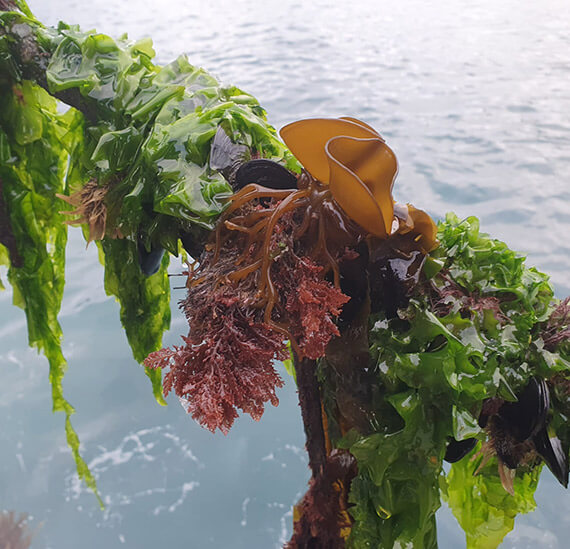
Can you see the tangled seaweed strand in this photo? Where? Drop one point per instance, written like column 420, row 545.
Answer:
column 321, row 231
column 90, row 209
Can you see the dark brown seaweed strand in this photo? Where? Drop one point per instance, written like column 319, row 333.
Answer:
column 318, row 524
column 323, row 520
column 7, row 237
column 8, row 5
column 310, row 402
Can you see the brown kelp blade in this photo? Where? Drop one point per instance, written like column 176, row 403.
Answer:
column 362, row 172
column 363, row 124
column 306, row 139
column 424, row 227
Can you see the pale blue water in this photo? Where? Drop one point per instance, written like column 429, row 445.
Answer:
column 474, row 98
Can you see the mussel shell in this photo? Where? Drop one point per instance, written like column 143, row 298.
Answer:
column 457, row 449
column 193, row 240
column 227, row 156
column 551, row 450
column 149, row 261
column 527, row 416
column 266, row 173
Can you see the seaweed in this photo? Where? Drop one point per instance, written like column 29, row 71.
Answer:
column 406, row 339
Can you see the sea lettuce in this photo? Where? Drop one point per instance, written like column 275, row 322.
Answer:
column 484, row 510
column 36, row 142
column 473, row 329
column 152, row 127
column 144, row 302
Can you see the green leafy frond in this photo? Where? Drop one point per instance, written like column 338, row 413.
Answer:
column 472, row 331
column 484, row 510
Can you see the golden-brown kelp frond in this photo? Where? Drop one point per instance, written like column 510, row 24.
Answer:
column 354, row 161
column 362, row 173
column 307, row 140
column 363, row 124
column 14, row 531
column 421, row 226
column 90, row 208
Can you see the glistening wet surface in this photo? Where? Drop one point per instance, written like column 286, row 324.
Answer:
column 475, row 101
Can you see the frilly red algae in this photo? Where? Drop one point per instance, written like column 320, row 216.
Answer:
column 311, row 304
column 226, row 362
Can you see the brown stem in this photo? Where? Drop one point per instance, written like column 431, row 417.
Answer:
column 310, row 401
column 32, row 61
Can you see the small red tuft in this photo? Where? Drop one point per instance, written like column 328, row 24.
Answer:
column 557, row 330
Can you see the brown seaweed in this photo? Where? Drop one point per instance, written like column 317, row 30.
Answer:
column 90, row 208
column 355, row 162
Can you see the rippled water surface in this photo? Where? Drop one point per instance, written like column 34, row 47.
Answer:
column 474, row 98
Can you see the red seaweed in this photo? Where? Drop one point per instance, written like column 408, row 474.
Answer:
column 557, row 329
column 226, row 362
column 252, row 290
column 311, row 303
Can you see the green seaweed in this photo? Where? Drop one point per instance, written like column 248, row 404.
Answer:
column 36, row 143
column 435, row 371
column 144, row 302
column 144, row 132
column 484, row 510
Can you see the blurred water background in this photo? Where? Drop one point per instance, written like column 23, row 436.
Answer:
column 474, row 98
